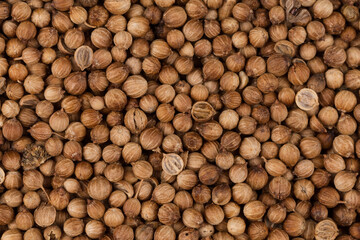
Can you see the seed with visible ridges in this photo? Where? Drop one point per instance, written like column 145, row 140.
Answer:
column 83, row 57
column 172, row 164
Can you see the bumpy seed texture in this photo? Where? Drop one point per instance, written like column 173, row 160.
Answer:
column 83, row 57
column 306, row 99
column 179, row 119
column 202, row 111
column 326, row 229
column 33, row 156
column 172, row 164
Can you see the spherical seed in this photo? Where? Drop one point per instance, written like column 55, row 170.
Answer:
column 172, row 163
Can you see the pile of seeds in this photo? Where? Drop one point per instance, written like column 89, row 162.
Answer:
column 179, row 119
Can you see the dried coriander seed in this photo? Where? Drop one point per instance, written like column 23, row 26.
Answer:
column 172, row 163
column 83, row 57
column 306, row 99
column 179, row 110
